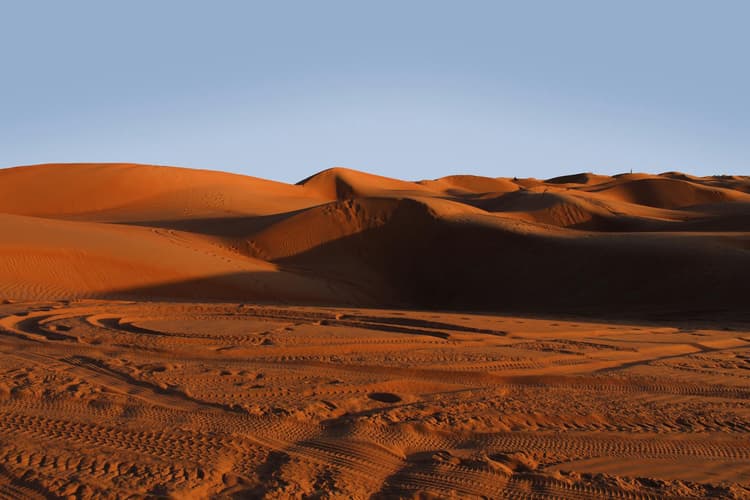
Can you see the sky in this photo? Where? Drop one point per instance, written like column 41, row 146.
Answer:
column 408, row 89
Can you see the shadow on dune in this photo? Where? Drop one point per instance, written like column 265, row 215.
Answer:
column 431, row 263
column 219, row 287
column 260, row 287
column 399, row 253
column 444, row 265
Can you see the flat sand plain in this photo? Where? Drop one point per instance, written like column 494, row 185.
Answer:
column 167, row 332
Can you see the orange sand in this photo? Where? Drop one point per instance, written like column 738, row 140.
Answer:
column 185, row 333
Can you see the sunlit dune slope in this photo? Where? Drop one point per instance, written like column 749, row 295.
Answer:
column 342, row 183
column 44, row 258
column 582, row 243
column 142, row 192
column 668, row 192
column 459, row 185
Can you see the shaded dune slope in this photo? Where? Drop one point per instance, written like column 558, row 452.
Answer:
column 414, row 255
column 582, row 243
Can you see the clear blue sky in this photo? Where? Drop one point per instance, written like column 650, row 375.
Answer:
column 410, row 89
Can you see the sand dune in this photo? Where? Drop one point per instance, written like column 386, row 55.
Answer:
column 455, row 242
column 464, row 184
column 43, row 259
column 114, row 192
column 668, row 193
column 167, row 332
column 343, row 183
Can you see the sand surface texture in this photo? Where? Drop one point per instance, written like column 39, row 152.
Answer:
column 172, row 332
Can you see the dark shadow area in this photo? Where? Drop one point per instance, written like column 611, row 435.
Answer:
column 34, row 325
column 582, row 178
column 384, row 397
column 215, row 289
column 435, row 264
column 416, row 260
column 257, row 287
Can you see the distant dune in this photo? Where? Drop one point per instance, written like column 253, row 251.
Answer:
column 583, row 243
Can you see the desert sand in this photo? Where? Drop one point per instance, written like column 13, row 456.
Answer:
column 167, row 332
